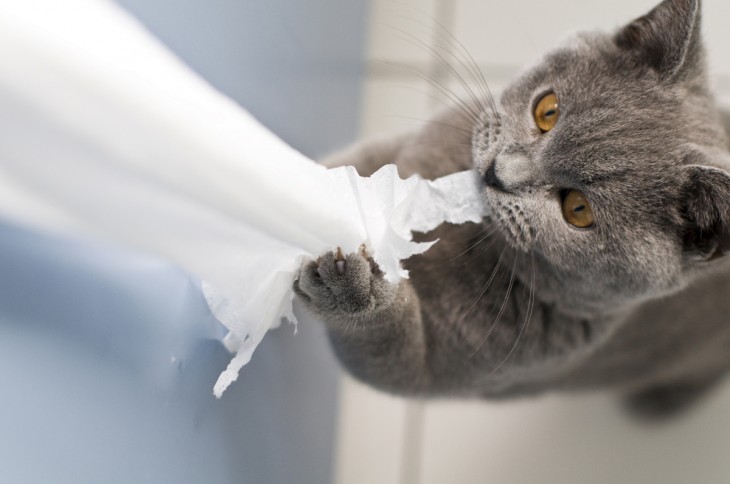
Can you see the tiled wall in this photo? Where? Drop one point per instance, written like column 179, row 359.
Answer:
column 556, row 439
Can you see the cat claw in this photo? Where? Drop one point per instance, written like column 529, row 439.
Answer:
column 363, row 251
column 340, row 261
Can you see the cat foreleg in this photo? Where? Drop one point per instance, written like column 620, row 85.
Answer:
column 374, row 326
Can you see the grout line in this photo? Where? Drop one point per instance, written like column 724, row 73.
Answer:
column 412, row 452
column 444, row 13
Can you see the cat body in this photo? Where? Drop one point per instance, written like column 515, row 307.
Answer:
column 637, row 300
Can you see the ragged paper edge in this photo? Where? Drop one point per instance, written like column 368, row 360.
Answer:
column 244, row 347
column 425, row 205
column 457, row 198
column 243, row 344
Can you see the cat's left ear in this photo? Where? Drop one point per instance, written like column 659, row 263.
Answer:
column 706, row 212
column 667, row 39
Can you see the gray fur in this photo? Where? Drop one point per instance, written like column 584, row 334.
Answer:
column 639, row 302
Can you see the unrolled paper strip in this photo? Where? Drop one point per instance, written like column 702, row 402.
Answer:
column 104, row 133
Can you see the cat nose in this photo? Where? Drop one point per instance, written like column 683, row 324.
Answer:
column 510, row 173
column 491, row 178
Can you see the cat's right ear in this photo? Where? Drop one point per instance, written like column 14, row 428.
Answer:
column 706, row 211
column 667, row 39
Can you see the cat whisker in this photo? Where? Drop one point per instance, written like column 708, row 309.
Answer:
column 465, row 58
column 477, row 255
column 438, row 52
column 460, row 129
column 482, row 250
column 472, row 246
column 452, row 96
column 437, row 145
column 486, row 286
column 441, row 101
column 501, row 309
column 528, row 316
column 456, row 50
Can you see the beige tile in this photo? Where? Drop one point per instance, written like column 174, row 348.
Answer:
column 717, row 35
column 514, row 33
column 572, row 440
column 371, row 436
column 394, row 104
column 400, row 30
column 495, row 84
column 723, row 99
column 504, row 37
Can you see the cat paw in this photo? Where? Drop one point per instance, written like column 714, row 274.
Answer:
column 338, row 286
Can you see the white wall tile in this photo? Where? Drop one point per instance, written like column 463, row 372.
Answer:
column 573, row 440
column 515, row 33
column 504, row 37
column 394, row 104
column 397, row 26
column 373, row 429
column 716, row 17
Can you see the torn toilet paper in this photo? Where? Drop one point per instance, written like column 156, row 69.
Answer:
column 104, row 133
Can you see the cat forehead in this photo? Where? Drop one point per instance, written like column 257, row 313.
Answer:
column 581, row 60
column 576, row 41
column 593, row 85
column 582, row 41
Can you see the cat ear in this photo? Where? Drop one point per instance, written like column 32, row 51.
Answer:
column 667, row 39
column 706, row 212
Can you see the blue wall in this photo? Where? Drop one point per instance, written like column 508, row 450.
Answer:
column 107, row 358
column 295, row 64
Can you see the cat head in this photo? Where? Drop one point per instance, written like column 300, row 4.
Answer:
column 606, row 162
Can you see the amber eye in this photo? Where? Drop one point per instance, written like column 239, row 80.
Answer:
column 547, row 112
column 576, row 210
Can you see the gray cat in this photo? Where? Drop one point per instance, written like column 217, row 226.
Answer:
column 603, row 266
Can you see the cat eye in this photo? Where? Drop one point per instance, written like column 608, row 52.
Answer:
column 547, row 112
column 576, row 209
